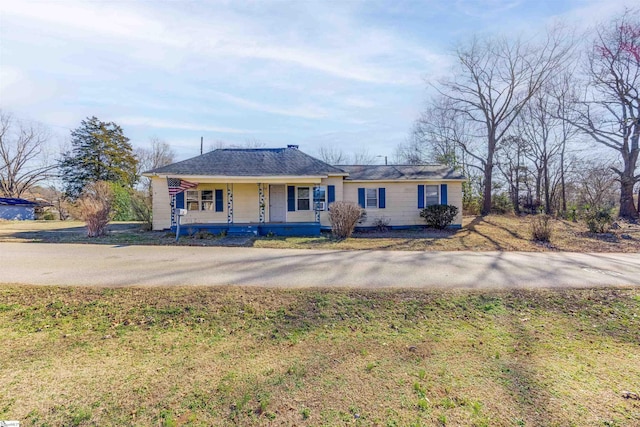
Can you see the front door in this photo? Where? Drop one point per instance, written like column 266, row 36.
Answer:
column 277, row 203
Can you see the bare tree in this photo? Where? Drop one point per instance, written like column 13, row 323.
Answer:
column 610, row 110
column 333, row 155
column 23, row 155
column 159, row 154
column 410, row 152
column 596, row 184
column 363, row 157
column 495, row 79
column 511, row 163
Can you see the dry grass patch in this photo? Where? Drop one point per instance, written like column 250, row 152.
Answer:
column 227, row 356
column 489, row 233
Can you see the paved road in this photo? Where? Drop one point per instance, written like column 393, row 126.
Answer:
column 102, row 265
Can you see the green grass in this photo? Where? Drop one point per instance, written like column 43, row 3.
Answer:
column 240, row 356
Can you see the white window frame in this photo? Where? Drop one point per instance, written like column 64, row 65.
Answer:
column 210, row 202
column 367, row 198
column 309, row 198
column 426, row 195
column 189, row 198
column 323, row 200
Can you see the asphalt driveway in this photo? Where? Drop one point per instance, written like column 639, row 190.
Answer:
column 101, row 265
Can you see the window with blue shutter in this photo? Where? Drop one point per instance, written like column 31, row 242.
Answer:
column 331, row 194
column 180, row 200
column 443, row 194
column 361, row 197
column 381, row 198
column 420, row 196
column 291, row 198
column 219, row 201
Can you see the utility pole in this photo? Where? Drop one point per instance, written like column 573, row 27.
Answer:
column 201, row 142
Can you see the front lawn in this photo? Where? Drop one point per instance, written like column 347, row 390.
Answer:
column 489, row 233
column 252, row 356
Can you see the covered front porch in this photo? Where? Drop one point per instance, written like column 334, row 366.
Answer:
column 283, row 207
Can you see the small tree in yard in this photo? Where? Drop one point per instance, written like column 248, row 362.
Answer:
column 439, row 216
column 94, row 207
column 598, row 218
column 344, row 216
column 541, row 228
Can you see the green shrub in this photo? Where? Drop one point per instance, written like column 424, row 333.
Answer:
column 541, row 228
column 121, row 206
column 48, row 216
column 598, row 219
column 501, row 204
column 439, row 216
column 141, row 207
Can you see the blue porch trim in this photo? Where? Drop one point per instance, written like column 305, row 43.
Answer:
column 278, row 229
column 398, row 227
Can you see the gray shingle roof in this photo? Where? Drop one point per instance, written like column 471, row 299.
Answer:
column 250, row 162
column 400, row 172
column 9, row 201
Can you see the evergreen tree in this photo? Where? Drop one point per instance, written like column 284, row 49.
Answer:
column 100, row 152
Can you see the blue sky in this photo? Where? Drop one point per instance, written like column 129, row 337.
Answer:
column 350, row 75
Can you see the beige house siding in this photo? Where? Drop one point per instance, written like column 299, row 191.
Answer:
column 401, row 201
column 161, row 204
column 210, row 216
column 338, row 182
column 246, row 207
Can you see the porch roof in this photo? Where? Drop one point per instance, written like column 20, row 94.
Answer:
column 253, row 163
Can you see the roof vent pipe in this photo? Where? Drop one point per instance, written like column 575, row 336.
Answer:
column 293, row 146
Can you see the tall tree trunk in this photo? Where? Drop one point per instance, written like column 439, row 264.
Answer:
column 627, row 183
column 488, row 173
column 539, row 184
column 547, row 196
column 486, row 203
column 562, row 183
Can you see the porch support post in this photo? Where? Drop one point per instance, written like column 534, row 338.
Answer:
column 229, row 203
column 261, row 202
column 172, row 203
column 315, row 207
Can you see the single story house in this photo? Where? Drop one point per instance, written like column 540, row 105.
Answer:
column 17, row 209
column 287, row 192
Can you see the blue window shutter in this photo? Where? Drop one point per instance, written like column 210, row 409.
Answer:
column 443, row 194
column 180, row 200
column 361, row 197
column 219, row 205
column 420, row 196
column 291, row 198
column 331, row 194
column 381, row 198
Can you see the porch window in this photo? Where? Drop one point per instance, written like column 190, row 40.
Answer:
column 432, row 195
column 372, row 198
column 320, row 198
column 303, row 199
column 193, row 202
column 206, row 200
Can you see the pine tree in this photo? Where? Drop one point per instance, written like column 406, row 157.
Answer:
column 100, row 152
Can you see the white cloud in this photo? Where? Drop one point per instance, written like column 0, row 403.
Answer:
column 305, row 111
column 153, row 122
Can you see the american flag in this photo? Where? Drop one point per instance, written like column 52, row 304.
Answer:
column 177, row 185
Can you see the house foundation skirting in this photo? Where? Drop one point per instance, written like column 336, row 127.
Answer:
column 258, row 229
